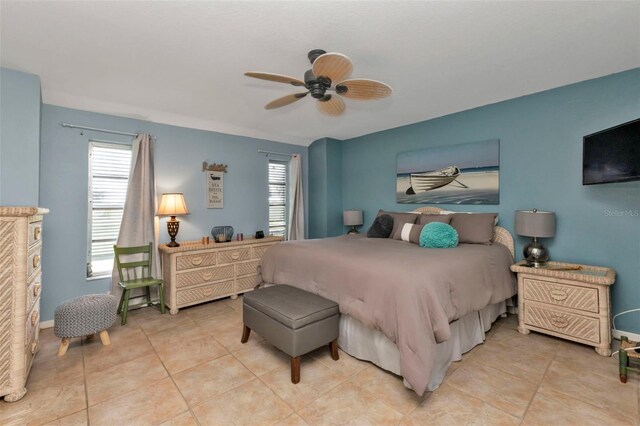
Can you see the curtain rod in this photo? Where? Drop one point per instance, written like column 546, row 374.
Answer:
column 115, row 132
column 261, row 151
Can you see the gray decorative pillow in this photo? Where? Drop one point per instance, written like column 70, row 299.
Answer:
column 381, row 227
column 423, row 219
column 399, row 219
column 475, row 228
column 411, row 233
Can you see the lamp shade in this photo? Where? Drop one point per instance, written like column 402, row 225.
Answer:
column 352, row 217
column 534, row 223
column 172, row 204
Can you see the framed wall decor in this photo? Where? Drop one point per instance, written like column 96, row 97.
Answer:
column 454, row 174
column 215, row 189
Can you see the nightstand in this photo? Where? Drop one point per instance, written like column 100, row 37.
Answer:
column 568, row 301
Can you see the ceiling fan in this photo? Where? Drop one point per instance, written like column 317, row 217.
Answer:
column 329, row 73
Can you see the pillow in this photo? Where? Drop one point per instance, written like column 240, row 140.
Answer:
column 438, row 235
column 423, row 219
column 476, row 228
column 399, row 219
column 381, row 227
column 411, row 233
column 448, row 212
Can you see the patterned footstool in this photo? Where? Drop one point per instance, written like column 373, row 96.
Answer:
column 85, row 316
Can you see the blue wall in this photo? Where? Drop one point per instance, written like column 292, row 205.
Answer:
column 179, row 156
column 325, row 188
column 540, row 166
column 19, row 138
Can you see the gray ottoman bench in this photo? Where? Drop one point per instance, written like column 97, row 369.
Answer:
column 293, row 320
column 84, row 316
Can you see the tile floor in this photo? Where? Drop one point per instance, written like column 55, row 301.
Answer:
column 191, row 369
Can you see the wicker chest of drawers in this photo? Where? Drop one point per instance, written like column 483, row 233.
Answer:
column 194, row 273
column 20, row 287
column 568, row 301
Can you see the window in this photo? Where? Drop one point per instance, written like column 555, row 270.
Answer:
column 278, row 197
column 109, row 166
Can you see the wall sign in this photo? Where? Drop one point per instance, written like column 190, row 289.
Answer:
column 214, row 175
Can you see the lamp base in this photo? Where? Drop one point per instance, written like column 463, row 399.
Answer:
column 535, row 254
column 173, row 244
column 353, row 230
column 172, row 228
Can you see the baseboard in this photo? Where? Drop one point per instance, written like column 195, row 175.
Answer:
column 632, row 336
column 46, row 324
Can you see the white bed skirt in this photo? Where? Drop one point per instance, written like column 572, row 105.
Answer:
column 369, row 344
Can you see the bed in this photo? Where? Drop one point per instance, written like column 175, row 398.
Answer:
column 409, row 310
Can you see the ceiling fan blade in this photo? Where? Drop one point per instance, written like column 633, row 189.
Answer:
column 275, row 77
column 285, row 100
column 363, row 89
column 332, row 106
column 336, row 66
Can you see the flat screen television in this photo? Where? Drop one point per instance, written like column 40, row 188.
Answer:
column 612, row 155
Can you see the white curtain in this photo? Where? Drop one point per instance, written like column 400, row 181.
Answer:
column 139, row 225
column 295, row 230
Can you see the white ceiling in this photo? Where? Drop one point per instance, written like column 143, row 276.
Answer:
column 182, row 63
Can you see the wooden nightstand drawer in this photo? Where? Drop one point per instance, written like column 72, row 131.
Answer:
column 572, row 325
column 216, row 273
column 195, row 261
column 34, row 259
column 236, row 255
column 246, row 283
column 247, row 268
column 582, row 298
column 259, row 251
column 35, row 232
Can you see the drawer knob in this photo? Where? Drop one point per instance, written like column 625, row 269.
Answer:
column 36, row 290
column 34, row 318
column 36, row 233
column 559, row 321
column 558, row 295
column 34, row 348
column 36, row 261
column 207, row 292
column 235, row 255
column 207, row 276
column 196, row 261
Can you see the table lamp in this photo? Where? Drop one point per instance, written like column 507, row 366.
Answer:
column 173, row 204
column 352, row 218
column 536, row 224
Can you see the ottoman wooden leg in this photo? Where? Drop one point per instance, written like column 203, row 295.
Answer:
column 90, row 336
column 246, row 331
column 104, row 338
column 333, row 347
column 64, row 345
column 295, row 370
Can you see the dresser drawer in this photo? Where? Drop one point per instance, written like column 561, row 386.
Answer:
column 235, row 255
column 246, row 283
column 195, row 261
column 204, row 293
column 247, row 268
column 33, row 291
column 201, row 276
column 32, row 322
column 569, row 324
column 30, row 350
column 35, row 232
column 34, row 259
column 259, row 251
column 582, row 298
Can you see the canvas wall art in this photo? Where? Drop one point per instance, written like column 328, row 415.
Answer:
column 455, row 174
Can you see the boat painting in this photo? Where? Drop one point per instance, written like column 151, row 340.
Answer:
column 421, row 182
column 455, row 174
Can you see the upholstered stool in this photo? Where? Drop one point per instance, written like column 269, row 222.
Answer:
column 85, row 316
column 293, row 320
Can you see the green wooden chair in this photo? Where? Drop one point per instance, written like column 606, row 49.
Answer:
column 129, row 279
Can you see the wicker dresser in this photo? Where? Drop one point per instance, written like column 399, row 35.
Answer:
column 568, row 301
column 194, row 273
column 20, row 286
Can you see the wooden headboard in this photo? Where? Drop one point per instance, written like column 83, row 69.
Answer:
column 500, row 234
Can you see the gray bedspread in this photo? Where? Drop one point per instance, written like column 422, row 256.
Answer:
column 409, row 293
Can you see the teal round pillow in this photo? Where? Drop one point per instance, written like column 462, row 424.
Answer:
column 438, row 235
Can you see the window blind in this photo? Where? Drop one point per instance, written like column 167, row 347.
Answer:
column 277, row 197
column 109, row 166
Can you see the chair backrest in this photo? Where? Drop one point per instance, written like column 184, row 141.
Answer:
column 128, row 271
